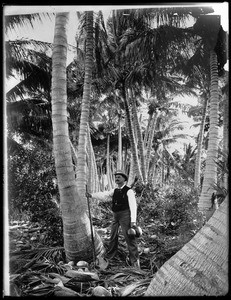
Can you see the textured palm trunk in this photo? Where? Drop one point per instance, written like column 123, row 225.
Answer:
column 197, row 172
column 74, row 157
column 76, row 226
column 226, row 135
column 108, row 164
column 200, row 268
column 131, row 172
column 150, row 140
column 93, row 178
column 152, row 178
column 85, row 107
column 140, row 143
column 85, row 241
column 137, row 170
column 210, row 175
column 120, row 157
column 147, row 130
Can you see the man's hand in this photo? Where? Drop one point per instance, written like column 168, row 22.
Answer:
column 133, row 224
column 88, row 195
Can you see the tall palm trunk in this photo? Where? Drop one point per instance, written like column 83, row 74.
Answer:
column 85, row 240
column 85, row 107
column 70, row 202
column 150, row 115
column 137, row 170
column 225, row 135
column 120, row 157
column 197, row 172
column 93, row 178
column 140, row 143
column 150, row 140
column 108, row 163
column 210, row 175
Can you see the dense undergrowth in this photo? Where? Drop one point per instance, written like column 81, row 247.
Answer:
column 168, row 216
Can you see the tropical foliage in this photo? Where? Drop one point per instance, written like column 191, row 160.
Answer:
column 69, row 127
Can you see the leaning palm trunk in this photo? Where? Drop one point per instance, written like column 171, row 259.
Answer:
column 225, row 135
column 200, row 268
column 210, row 175
column 199, row 147
column 76, row 225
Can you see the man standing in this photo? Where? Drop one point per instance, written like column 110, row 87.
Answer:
column 124, row 210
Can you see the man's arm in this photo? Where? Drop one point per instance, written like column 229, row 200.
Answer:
column 132, row 206
column 104, row 196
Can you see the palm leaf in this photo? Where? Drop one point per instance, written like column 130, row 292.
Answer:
column 13, row 21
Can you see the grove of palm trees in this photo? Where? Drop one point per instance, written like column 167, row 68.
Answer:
column 115, row 105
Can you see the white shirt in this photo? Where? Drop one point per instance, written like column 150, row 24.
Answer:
column 107, row 196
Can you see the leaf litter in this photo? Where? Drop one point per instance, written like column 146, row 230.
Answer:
column 41, row 271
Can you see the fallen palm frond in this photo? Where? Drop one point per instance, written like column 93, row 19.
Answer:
column 41, row 258
column 127, row 290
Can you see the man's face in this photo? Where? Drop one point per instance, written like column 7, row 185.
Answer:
column 119, row 179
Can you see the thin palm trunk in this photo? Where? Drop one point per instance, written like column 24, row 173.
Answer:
column 93, row 181
column 210, row 175
column 150, row 140
column 197, row 172
column 131, row 172
column 108, row 163
column 85, row 108
column 147, row 130
column 140, row 143
column 225, row 136
column 120, row 158
column 137, row 170
column 84, row 240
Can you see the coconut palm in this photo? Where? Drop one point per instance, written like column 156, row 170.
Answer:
column 30, row 61
column 226, row 131
column 197, row 172
column 209, row 28
column 76, row 224
column 193, row 271
column 28, row 102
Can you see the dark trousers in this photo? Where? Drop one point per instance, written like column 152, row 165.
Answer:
column 122, row 218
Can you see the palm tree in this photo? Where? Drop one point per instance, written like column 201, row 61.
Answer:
column 225, row 129
column 200, row 268
column 140, row 142
column 197, row 171
column 76, row 224
column 28, row 59
column 28, row 102
column 85, row 106
column 209, row 28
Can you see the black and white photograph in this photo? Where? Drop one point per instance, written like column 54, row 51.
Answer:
column 116, row 150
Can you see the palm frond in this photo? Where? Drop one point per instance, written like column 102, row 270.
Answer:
column 13, row 21
column 42, row 259
column 36, row 81
column 21, row 57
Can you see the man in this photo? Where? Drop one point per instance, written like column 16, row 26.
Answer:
column 124, row 210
